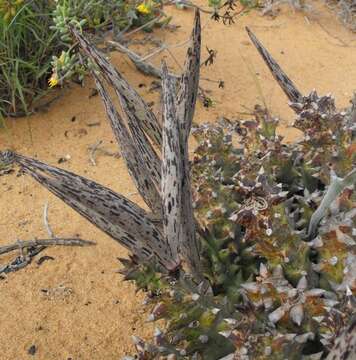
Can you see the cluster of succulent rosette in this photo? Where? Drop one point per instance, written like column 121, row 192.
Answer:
column 274, row 290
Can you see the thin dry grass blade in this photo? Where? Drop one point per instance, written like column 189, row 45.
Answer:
column 117, row 216
column 281, row 77
column 139, row 169
column 129, row 98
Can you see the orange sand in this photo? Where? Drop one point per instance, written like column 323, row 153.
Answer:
column 95, row 316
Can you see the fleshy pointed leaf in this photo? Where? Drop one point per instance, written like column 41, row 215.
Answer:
column 178, row 219
column 337, row 185
column 302, row 284
column 185, row 105
column 139, row 169
column 281, row 77
column 128, row 96
column 252, row 287
column 189, row 82
column 277, row 314
column 171, row 167
column 297, row 314
column 120, row 218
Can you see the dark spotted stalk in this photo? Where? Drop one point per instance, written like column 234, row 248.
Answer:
column 172, row 167
column 281, row 77
column 116, row 215
column 129, row 98
column 167, row 236
column 131, row 154
column 141, row 120
column 185, row 106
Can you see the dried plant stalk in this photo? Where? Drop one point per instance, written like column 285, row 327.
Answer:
column 186, row 101
column 172, row 167
column 139, row 172
column 124, row 221
column 128, row 96
column 281, row 77
column 44, row 242
column 140, row 118
column 116, row 215
column 189, row 82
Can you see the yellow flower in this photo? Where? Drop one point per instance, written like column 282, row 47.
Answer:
column 9, row 9
column 53, row 80
column 144, row 9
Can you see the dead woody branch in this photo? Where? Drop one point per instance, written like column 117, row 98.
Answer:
column 20, row 245
column 30, row 248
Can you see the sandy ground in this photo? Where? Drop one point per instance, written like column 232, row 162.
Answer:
column 89, row 312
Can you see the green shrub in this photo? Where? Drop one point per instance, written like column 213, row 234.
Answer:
column 26, row 48
column 34, row 43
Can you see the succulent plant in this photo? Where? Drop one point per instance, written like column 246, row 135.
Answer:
column 249, row 249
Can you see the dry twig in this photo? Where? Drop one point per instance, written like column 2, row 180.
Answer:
column 93, row 149
column 45, row 221
column 20, row 245
column 34, row 247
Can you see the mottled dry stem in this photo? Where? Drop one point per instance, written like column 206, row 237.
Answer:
column 135, row 163
column 168, row 234
column 117, row 216
column 281, row 77
column 44, row 242
column 128, row 96
column 186, row 101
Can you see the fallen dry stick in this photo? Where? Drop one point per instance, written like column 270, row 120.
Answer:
column 142, row 65
column 44, row 242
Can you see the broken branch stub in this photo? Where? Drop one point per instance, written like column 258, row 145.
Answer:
column 144, row 66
